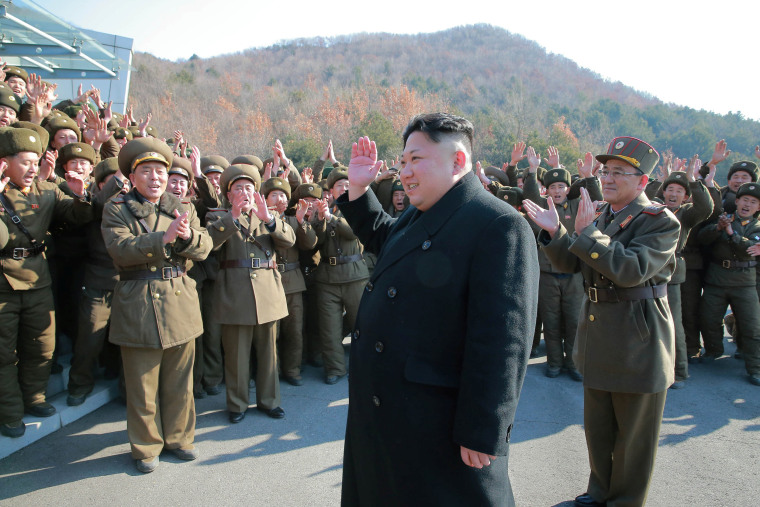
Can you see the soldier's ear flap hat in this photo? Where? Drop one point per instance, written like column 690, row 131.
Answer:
column 678, row 177
column 335, row 176
column 496, row 174
column 105, row 168
column 397, row 186
column 512, row 195
column 239, row 171
column 751, row 189
column 14, row 141
column 141, row 150
column 275, row 183
column 557, row 176
column 44, row 135
column 746, row 166
column 636, row 152
column 12, row 70
column 76, row 150
column 63, row 122
column 9, row 99
column 305, row 190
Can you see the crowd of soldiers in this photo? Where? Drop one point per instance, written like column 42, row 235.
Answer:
column 179, row 272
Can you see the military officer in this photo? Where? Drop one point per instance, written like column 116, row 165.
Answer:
column 248, row 294
column 27, row 334
column 10, row 105
column 152, row 237
column 625, row 343
column 16, row 78
column 212, row 167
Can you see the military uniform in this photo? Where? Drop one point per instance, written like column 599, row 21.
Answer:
column 625, row 342
column 155, row 316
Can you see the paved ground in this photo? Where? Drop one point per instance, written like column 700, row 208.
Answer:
column 709, row 450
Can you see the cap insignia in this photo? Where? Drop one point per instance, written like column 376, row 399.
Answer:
column 32, row 138
column 619, row 145
column 77, row 149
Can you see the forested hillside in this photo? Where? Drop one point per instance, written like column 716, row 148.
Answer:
column 306, row 91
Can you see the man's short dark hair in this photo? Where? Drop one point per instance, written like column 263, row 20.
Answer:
column 436, row 125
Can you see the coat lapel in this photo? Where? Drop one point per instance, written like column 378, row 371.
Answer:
column 632, row 210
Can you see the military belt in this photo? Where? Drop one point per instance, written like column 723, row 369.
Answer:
column 344, row 259
column 616, row 294
column 253, row 263
column 729, row 264
column 288, row 266
column 22, row 253
column 166, row 273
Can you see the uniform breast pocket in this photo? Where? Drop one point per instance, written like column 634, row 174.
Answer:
column 421, row 371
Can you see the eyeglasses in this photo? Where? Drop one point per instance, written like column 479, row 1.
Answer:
column 616, row 175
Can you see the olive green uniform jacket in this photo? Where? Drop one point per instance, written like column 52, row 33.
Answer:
column 306, row 239
column 152, row 313
column 335, row 238
column 625, row 346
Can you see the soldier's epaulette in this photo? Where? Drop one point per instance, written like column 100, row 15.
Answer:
column 654, row 209
column 118, row 199
column 217, row 209
column 600, row 204
column 186, row 201
column 599, row 210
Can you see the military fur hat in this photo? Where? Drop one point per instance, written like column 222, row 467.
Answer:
column 397, row 186
column 235, row 172
column 12, row 70
column 746, row 166
column 751, row 189
column 14, row 141
column 44, row 136
column 122, row 133
column 152, row 131
column 496, row 174
column 183, row 167
column 72, row 111
column 135, row 130
column 305, row 190
column 144, row 149
column 336, row 175
column 9, row 99
column 76, row 150
column 214, row 163
column 512, row 195
column 557, row 176
column 105, row 168
column 275, row 183
column 678, row 177
column 636, row 152
column 250, row 160
column 60, row 123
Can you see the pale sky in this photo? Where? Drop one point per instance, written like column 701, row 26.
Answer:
column 693, row 53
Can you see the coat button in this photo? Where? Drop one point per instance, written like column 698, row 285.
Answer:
column 153, row 268
column 251, row 255
column 594, row 255
column 221, row 229
column 149, row 254
column 156, row 296
column 379, row 346
column 426, row 244
column 369, row 287
column 178, row 293
column 253, row 276
column 376, row 401
column 392, row 292
column 591, row 318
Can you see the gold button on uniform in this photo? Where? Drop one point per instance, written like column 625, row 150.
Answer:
column 594, row 255
column 591, row 318
column 149, row 254
column 221, row 229
column 253, row 276
column 178, row 293
column 156, row 296
column 153, row 268
column 251, row 255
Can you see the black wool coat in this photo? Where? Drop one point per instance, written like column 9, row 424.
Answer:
column 439, row 350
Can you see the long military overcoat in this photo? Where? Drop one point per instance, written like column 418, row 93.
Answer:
column 439, row 350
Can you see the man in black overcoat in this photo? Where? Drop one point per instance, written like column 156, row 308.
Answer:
column 444, row 329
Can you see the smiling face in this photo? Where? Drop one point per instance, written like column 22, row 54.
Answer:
column 339, row 188
column 81, row 166
column 7, row 116
column 18, row 85
column 674, row 195
column 63, row 137
column 214, row 178
column 429, row 169
column 738, row 179
column 747, row 206
column 623, row 183
column 278, row 201
column 177, row 185
column 150, row 178
column 22, row 168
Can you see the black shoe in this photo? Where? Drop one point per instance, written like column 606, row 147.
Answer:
column 333, row 379
column 678, row 384
column 575, row 375
column 294, row 381
column 274, row 413
column 13, row 430
column 586, row 500
column 552, row 372
column 185, row 454
column 533, row 353
column 754, row 380
column 738, row 354
column 236, row 417
column 74, row 400
column 55, row 369
column 213, row 390
column 146, row 466
column 43, row 409
column 199, row 395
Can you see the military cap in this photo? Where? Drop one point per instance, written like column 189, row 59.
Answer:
column 9, row 99
column 305, row 190
column 122, row 133
column 76, row 150
column 144, row 149
column 250, row 160
column 183, row 167
column 678, row 177
column 44, row 136
column 496, row 174
column 216, row 164
column 397, row 186
column 105, row 168
column 746, row 166
column 151, row 131
column 14, row 141
column 335, row 176
column 72, row 111
column 751, row 189
column 634, row 151
column 60, row 123
column 235, row 172
column 275, row 183
column 557, row 176
column 12, row 70
column 512, row 195
column 135, row 130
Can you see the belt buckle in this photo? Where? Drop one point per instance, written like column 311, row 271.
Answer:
column 19, row 253
column 281, row 268
column 593, row 295
column 255, row 263
column 726, row 264
column 333, row 261
column 167, row 273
